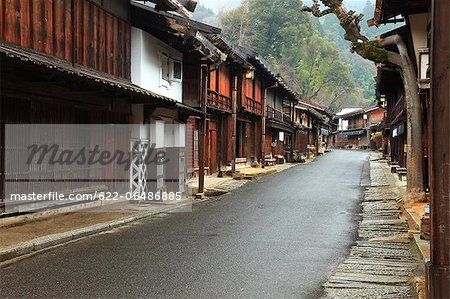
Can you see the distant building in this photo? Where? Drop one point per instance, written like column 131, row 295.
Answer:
column 356, row 127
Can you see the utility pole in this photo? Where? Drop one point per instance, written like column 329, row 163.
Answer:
column 438, row 269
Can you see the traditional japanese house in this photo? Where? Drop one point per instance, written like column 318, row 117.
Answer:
column 250, row 112
column 223, row 141
column 356, row 126
column 280, row 132
column 321, row 125
column 207, row 85
column 390, row 89
column 392, row 97
column 303, row 121
column 72, row 62
column 179, row 49
column 307, row 122
column 219, row 97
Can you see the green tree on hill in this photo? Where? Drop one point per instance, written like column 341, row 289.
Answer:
column 296, row 46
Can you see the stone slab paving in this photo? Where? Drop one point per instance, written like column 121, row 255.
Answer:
column 381, row 264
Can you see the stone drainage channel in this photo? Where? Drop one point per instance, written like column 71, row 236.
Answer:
column 382, row 263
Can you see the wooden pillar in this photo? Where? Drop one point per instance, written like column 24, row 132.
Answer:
column 316, row 141
column 234, row 95
column 263, row 125
column 202, row 138
column 220, row 144
column 438, row 269
column 292, row 109
column 2, row 157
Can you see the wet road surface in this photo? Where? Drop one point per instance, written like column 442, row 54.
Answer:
column 278, row 237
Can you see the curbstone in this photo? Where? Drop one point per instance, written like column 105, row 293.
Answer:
column 12, row 252
column 90, row 230
column 51, row 240
column 61, row 238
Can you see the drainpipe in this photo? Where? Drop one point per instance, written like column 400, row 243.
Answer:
column 438, row 269
column 220, row 143
column 292, row 108
column 202, row 139
column 234, row 95
column 263, row 125
column 317, row 139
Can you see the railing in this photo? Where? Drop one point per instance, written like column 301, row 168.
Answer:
column 275, row 114
column 219, row 101
column 399, row 108
column 395, row 111
column 252, row 105
column 355, row 126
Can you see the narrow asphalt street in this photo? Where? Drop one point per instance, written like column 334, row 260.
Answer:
column 278, row 237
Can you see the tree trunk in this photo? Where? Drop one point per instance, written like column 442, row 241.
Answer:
column 414, row 153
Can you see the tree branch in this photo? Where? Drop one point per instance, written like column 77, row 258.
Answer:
column 316, row 11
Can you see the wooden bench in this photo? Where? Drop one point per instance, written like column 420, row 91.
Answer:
column 269, row 160
column 241, row 160
column 240, row 163
column 280, row 160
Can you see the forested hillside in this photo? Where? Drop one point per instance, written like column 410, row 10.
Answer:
column 309, row 53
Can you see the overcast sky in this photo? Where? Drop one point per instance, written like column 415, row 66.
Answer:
column 216, row 5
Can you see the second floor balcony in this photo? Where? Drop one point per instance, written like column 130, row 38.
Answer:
column 252, row 105
column 357, row 126
column 219, row 101
column 277, row 115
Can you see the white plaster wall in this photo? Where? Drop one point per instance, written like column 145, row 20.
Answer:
column 419, row 24
column 146, row 53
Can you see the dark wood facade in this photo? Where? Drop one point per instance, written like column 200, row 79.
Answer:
column 78, row 31
column 356, row 128
column 69, row 62
column 279, row 137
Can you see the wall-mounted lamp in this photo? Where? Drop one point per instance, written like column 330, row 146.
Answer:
column 424, row 68
column 250, row 74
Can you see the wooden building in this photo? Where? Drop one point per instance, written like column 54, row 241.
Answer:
column 390, row 91
column 122, row 62
column 71, row 62
column 219, row 96
column 279, row 135
column 312, row 127
column 277, row 120
column 427, row 37
column 355, row 128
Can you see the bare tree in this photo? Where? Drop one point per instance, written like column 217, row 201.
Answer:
column 376, row 51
